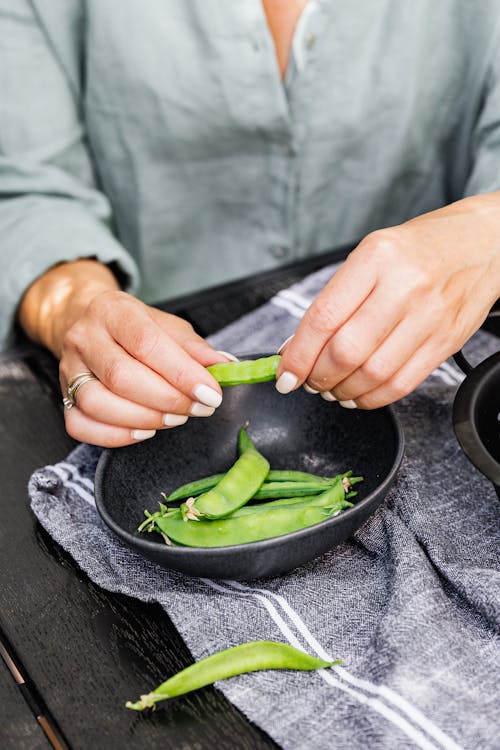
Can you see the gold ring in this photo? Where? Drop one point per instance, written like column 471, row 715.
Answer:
column 74, row 386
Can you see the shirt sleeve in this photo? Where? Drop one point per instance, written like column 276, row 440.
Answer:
column 51, row 209
column 484, row 176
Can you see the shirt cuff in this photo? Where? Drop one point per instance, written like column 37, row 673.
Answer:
column 38, row 232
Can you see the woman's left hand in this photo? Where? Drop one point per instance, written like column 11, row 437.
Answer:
column 404, row 300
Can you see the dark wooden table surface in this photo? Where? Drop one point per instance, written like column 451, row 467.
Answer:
column 73, row 652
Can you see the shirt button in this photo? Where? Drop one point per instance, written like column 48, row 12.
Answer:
column 310, row 40
column 280, row 251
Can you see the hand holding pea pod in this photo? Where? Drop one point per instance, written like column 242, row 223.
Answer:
column 247, row 657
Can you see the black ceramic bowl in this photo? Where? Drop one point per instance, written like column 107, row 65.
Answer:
column 298, row 431
column 476, row 418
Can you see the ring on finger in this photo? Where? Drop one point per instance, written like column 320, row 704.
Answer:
column 74, row 386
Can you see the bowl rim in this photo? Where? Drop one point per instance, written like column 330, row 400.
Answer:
column 179, row 552
column 465, row 407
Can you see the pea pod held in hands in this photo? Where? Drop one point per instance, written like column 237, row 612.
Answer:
column 245, row 372
column 247, row 657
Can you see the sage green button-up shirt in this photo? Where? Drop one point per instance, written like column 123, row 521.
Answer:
column 157, row 135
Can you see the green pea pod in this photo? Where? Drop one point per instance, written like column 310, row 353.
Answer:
column 287, row 475
column 192, row 489
column 197, row 487
column 247, row 510
column 235, row 489
column 269, row 490
column 335, row 494
column 244, row 441
column 247, row 657
column 291, row 502
column 225, row 532
column 245, row 372
column 333, row 498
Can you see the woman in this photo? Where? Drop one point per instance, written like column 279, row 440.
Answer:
column 193, row 141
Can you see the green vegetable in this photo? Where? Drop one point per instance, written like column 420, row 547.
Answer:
column 332, row 496
column 254, row 526
column 247, row 657
column 247, row 371
column 270, row 490
column 192, row 489
column 234, row 490
column 216, row 517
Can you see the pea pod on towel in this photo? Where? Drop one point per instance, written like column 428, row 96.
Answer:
column 246, row 657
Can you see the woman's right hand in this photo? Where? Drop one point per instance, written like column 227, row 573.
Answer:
column 149, row 365
column 150, row 370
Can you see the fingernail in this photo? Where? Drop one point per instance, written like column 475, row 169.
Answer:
column 309, row 389
column 228, row 355
column 207, row 395
column 142, row 434
column 201, row 410
column 349, row 404
column 286, row 382
column 285, row 342
column 174, row 420
column 328, row 396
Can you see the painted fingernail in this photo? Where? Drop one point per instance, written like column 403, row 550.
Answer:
column 328, row 396
column 201, row 410
column 207, row 395
column 286, row 382
column 285, row 342
column 349, row 404
column 308, row 389
column 142, row 434
column 174, row 420
column 228, row 355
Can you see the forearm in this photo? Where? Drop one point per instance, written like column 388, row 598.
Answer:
column 58, row 298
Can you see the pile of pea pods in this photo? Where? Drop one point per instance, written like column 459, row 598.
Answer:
column 248, row 503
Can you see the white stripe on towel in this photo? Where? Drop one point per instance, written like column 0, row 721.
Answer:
column 415, row 734
column 296, row 312
column 62, row 474
column 295, row 297
column 390, row 695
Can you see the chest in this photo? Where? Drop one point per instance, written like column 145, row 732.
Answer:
column 200, row 82
column 282, row 17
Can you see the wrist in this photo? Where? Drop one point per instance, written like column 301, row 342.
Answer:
column 486, row 210
column 58, row 298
